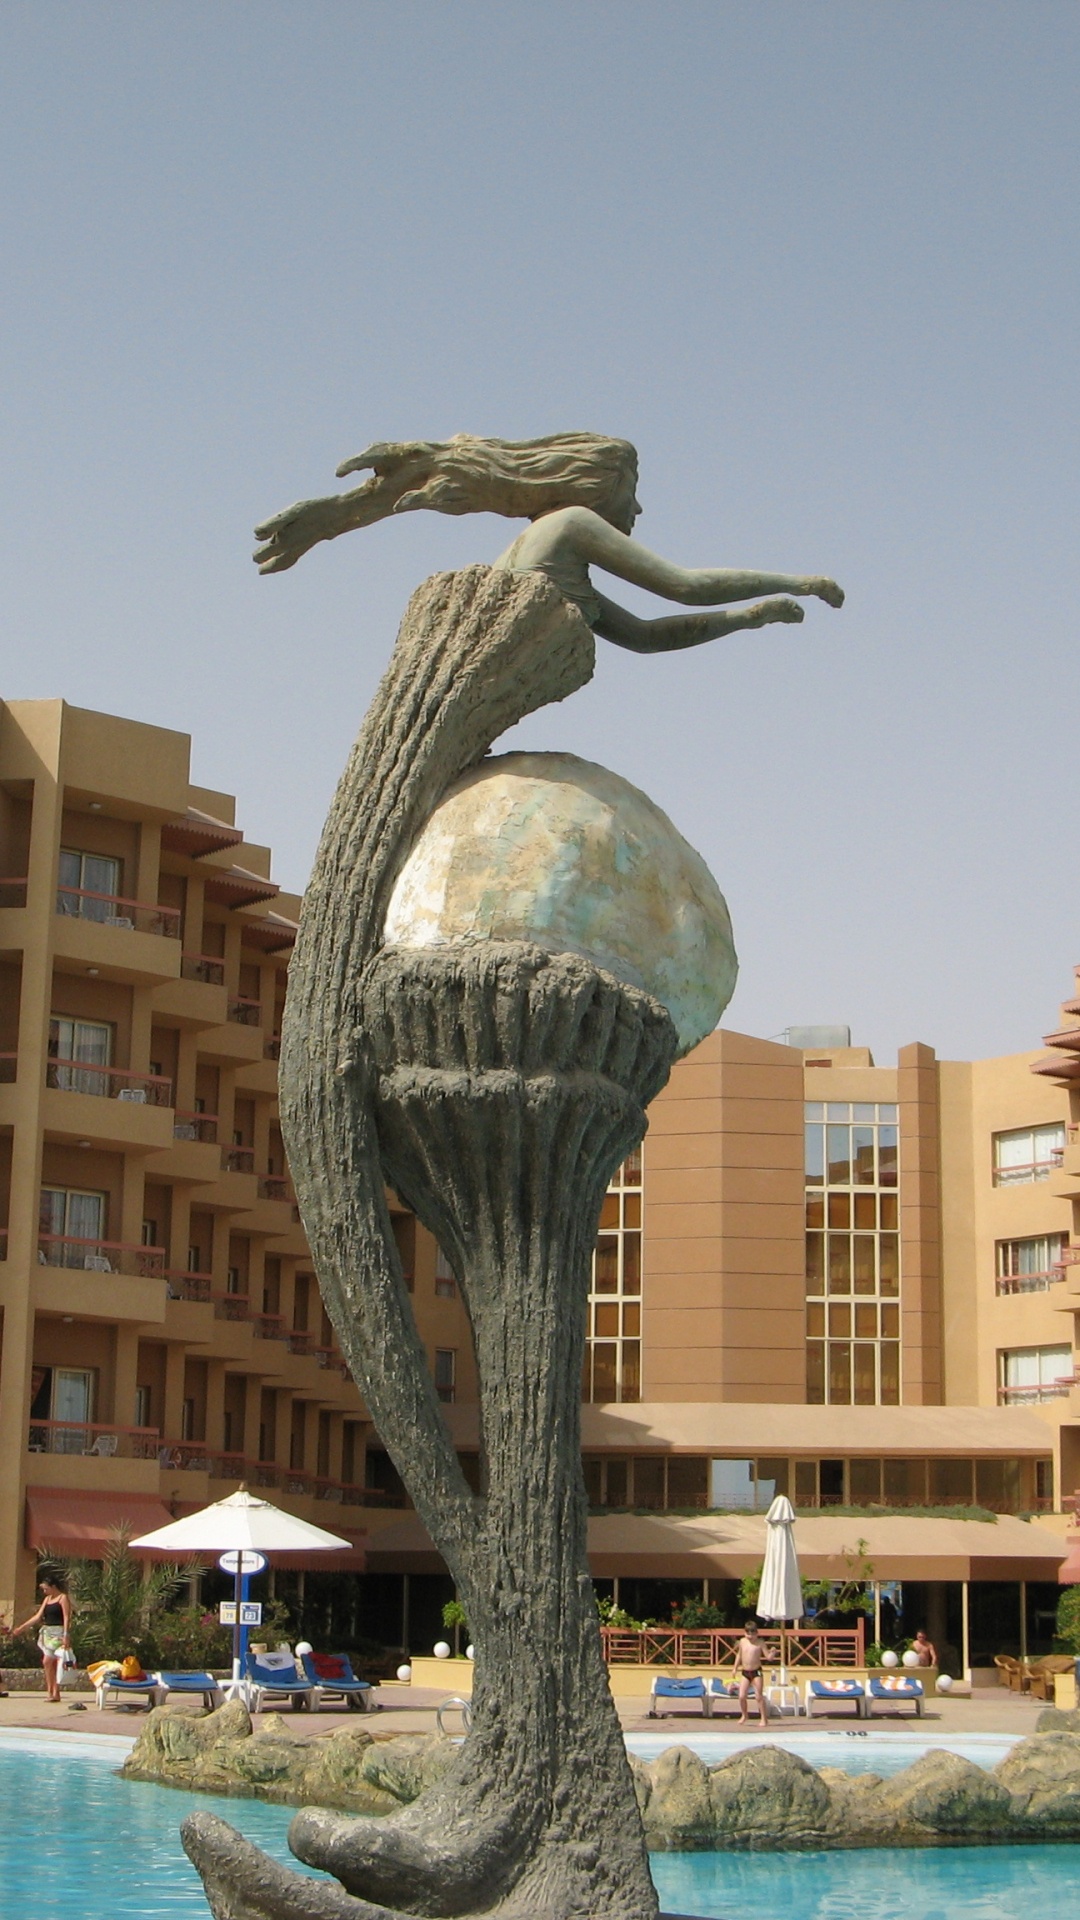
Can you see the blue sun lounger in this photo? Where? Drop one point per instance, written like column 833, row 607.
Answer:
column 835, row 1692
column 665, row 1687
column 332, row 1677
column 110, row 1683
column 203, row 1683
column 275, row 1678
column 897, row 1689
column 722, row 1693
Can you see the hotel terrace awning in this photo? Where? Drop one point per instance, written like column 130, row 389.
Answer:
column 80, row 1523
column 197, row 834
column 236, row 887
column 1062, row 1067
column 727, row 1546
column 270, row 934
column 736, row 1429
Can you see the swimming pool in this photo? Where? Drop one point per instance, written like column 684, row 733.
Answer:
column 856, row 1751
column 76, row 1839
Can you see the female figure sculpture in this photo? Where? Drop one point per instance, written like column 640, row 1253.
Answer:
column 496, row 1087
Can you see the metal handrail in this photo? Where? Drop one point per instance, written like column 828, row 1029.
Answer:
column 207, row 967
column 185, row 1283
column 195, row 1126
column 85, row 1437
column 245, row 1012
column 169, row 917
column 156, row 1087
column 100, row 1256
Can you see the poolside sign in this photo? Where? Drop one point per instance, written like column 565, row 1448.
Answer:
column 246, row 1561
column 250, row 1613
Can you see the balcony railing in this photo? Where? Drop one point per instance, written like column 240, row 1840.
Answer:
column 274, row 1186
column 1029, row 1282
column 12, row 893
column 8, row 1068
column 245, row 1013
column 231, row 1306
column 237, row 1159
column 196, row 1126
column 1035, row 1396
column 100, row 1256
column 3, row 1243
column 272, row 1047
column 185, row 1284
column 109, row 910
column 269, row 1326
column 109, row 1083
column 202, row 966
column 716, row 1646
column 93, row 1440
column 298, row 1340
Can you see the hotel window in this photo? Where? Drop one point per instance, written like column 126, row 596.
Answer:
column 71, row 1226
column 445, row 1372
column 89, row 885
column 1026, row 1154
column 852, row 1254
column 445, row 1284
column 85, row 1041
column 613, row 1336
column 1029, row 1266
column 1030, row 1374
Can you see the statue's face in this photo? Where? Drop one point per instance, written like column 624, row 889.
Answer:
column 623, row 509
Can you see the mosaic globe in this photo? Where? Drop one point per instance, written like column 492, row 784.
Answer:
column 547, row 848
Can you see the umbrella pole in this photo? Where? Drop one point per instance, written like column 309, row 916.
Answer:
column 238, row 1579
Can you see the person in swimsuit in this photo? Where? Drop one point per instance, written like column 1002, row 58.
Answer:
column 749, row 1659
column 53, row 1621
column 579, row 491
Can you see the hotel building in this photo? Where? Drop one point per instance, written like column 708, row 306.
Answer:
column 847, row 1282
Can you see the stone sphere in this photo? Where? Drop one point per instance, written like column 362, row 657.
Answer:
column 404, row 1673
column 889, row 1659
column 550, row 849
column 441, row 1650
column 944, row 1683
column 470, row 1653
column 911, row 1658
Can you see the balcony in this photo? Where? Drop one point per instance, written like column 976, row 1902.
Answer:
column 183, row 1284
column 110, row 910
column 108, row 1083
column 272, row 1047
column 274, row 1186
column 93, row 1440
column 231, row 1306
column 196, row 1126
column 298, row 1340
column 245, row 1013
column 1035, row 1396
column 1029, row 1282
column 204, row 967
column 269, row 1326
column 237, row 1159
column 100, row 1256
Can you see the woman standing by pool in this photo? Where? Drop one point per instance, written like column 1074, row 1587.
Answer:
column 53, row 1621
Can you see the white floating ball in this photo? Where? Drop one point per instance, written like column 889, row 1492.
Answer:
column 911, row 1658
column 889, row 1659
column 304, row 1646
column 470, row 1653
column 555, row 851
column 441, row 1650
column 404, row 1673
column 944, row 1684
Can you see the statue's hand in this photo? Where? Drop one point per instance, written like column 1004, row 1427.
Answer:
column 290, row 533
column 768, row 611
column 828, row 591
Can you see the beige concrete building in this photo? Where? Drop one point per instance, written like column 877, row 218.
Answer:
column 820, row 1276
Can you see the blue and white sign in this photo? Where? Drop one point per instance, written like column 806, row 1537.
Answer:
column 250, row 1613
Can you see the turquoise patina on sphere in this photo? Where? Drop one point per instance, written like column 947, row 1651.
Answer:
column 552, row 849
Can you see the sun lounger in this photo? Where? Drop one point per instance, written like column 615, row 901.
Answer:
column 896, row 1689
column 274, row 1677
column 690, row 1690
column 111, row 1683
column 723, row 1695
column 332, row 1677
column 202, row 1683
column 833, row 1693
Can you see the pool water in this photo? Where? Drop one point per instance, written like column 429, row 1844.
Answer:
column 856, row 1751
column 75, row 1839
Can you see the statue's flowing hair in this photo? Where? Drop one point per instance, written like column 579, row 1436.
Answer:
column 518, row 478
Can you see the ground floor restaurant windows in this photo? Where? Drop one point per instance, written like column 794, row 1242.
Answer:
column 692, row 1482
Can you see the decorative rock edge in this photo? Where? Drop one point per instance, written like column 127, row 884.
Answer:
column 763, row 1799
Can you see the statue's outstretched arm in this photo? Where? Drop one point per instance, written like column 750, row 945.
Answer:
column 601, row 545
column 678, row 630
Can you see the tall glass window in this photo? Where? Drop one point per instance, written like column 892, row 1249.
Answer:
column 613, row 1336
column 852, row 1254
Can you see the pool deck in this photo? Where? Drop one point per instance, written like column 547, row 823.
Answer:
column 406, row 1709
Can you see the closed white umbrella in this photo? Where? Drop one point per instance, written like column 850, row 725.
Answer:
column 242, row 1522
column 780, row 1597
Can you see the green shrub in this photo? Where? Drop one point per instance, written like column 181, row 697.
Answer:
column 1067, row 1624
column 697, row 1613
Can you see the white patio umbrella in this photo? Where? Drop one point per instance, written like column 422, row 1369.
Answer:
column 780, row 1597
column 242, row 1522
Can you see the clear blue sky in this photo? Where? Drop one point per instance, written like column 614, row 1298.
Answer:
column 818, row 261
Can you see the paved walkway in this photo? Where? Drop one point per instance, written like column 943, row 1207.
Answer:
column 405, row 1709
